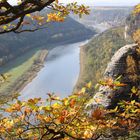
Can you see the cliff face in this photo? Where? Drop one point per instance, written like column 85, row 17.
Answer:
column 124, row 63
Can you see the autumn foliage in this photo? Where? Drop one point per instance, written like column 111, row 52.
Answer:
column 26, row 15
column 136, row 36
column 137, row 9
column 68, row 118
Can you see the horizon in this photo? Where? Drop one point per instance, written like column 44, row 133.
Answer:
column 118, row 3
column 99, row 3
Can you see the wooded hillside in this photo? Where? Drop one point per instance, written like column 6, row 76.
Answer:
column 56, row 33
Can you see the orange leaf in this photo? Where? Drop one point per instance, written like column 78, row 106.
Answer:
column 98, row 114
column 72, row 103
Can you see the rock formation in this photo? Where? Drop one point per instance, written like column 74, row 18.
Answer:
column 125, row 63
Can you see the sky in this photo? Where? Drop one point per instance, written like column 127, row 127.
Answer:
column 99, row 2
column 107, row 2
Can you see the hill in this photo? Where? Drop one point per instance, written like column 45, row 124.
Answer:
column 103, row 18
column 98, row 52
column 13, row 45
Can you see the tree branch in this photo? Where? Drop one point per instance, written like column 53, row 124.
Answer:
column 15, row 28
column 23, row 9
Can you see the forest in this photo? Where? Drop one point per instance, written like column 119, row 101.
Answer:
column 99, row 51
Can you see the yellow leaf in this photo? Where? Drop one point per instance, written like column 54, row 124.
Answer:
column 83, row 90
column 132, row 102
column 56, row 105
column 89, row 85
column 134, row 90
column 4, row 27
column 28, row 15
column 97, row 100
column 47, row 119
column 87, row 134
column 66, row 102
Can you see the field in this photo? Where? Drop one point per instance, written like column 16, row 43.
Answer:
column 18, row 68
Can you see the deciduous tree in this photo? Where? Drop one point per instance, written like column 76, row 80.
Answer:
column 30, row 13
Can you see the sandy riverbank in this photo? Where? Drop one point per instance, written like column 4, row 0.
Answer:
column 82, row 65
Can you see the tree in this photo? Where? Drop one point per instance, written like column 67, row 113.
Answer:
column 137, row 9
column 28, row 12
column 136, row 34
column 69, row 119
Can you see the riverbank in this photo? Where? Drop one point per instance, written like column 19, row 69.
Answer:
column 32, row 72
column 59, row 74
column 82, row 65
column 22, row 74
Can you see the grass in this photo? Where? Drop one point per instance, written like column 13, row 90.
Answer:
column 16, row 68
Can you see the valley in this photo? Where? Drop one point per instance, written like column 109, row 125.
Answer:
column 23, row 64
column 69, row 71
column 103, row 18
column 88, row 62
column 59, row 74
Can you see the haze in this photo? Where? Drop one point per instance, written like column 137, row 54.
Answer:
column 97, row 2
column 105, row 2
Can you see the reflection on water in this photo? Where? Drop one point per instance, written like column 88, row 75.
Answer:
column 59, row 75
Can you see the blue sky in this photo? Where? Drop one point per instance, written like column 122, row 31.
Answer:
column 99, row 2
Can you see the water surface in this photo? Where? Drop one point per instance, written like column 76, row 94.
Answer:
column 59, row 74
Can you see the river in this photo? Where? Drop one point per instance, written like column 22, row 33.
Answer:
column 59, row 74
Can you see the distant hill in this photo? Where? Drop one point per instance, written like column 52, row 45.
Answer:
column 105, row 17
column 98, row 52
column 12, row 45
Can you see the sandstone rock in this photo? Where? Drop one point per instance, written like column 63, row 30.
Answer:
column 125, row 63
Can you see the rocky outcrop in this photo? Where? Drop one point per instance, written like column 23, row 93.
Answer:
column 125, row 63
